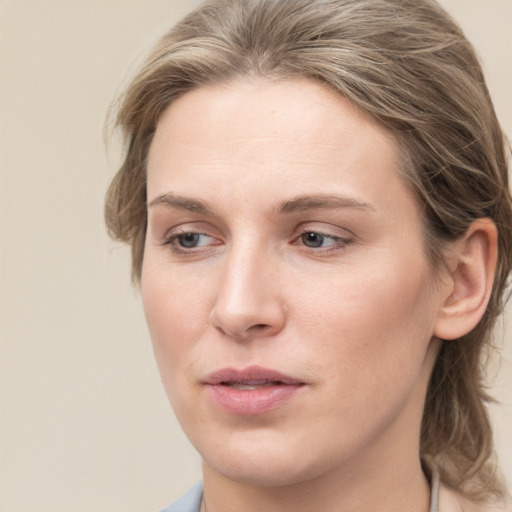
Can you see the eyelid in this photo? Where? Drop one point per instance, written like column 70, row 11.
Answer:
column 325, row 229
column 188, row 226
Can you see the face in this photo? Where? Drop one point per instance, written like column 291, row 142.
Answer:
column 287, row 293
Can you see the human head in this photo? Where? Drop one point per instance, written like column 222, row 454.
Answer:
column 409, row 66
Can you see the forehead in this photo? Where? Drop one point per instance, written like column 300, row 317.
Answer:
column 294, row 136
column 298, row 109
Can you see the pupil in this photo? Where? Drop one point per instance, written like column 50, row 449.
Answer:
column 312, row 239
column 189, row 240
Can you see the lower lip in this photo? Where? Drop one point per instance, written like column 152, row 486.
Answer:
column 253, row 401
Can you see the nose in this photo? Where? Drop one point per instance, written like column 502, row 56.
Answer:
column 249, row 303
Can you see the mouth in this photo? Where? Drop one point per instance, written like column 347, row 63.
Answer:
column 251, row 385
column 253, row 377
column 253, row 390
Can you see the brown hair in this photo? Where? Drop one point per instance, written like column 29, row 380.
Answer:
column 411, row 68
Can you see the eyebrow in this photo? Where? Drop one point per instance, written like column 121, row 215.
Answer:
column 181, row 203
column 297, row 204
column 321, row 202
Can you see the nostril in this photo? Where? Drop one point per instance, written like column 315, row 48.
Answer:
column 259, row 327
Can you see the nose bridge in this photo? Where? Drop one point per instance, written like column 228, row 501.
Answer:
column 248, row 301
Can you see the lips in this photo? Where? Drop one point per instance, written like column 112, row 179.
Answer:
column 253, row 390
column 253, row 375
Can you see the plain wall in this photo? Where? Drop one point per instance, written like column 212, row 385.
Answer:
column 85, row 425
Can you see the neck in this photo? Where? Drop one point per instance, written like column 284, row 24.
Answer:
column 383, row 486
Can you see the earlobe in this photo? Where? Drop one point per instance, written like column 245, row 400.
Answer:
column 471, row 279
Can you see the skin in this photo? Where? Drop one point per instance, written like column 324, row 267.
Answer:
column 231, row 279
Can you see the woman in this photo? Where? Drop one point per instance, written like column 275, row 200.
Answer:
column 316, row 197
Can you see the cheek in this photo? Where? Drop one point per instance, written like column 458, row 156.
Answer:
column 369, row 343
column 176, row 314
column 374, row 324
column 173, row 318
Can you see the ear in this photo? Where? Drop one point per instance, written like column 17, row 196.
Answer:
column 471, row 276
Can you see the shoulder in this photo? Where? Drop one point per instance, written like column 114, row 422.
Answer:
column 453, row 501
column 189, row 502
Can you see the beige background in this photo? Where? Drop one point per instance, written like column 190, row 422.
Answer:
column 85, row 425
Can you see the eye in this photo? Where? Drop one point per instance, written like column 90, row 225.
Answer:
column 187, row 241
column 315, row 240
column 191, row 240
column 332, row 241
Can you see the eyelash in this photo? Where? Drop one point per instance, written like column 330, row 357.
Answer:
column 338, row 242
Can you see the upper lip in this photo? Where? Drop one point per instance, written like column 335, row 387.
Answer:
column 251, row 374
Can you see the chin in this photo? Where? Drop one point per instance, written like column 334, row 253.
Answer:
column 263, row 473
column 264, row 462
